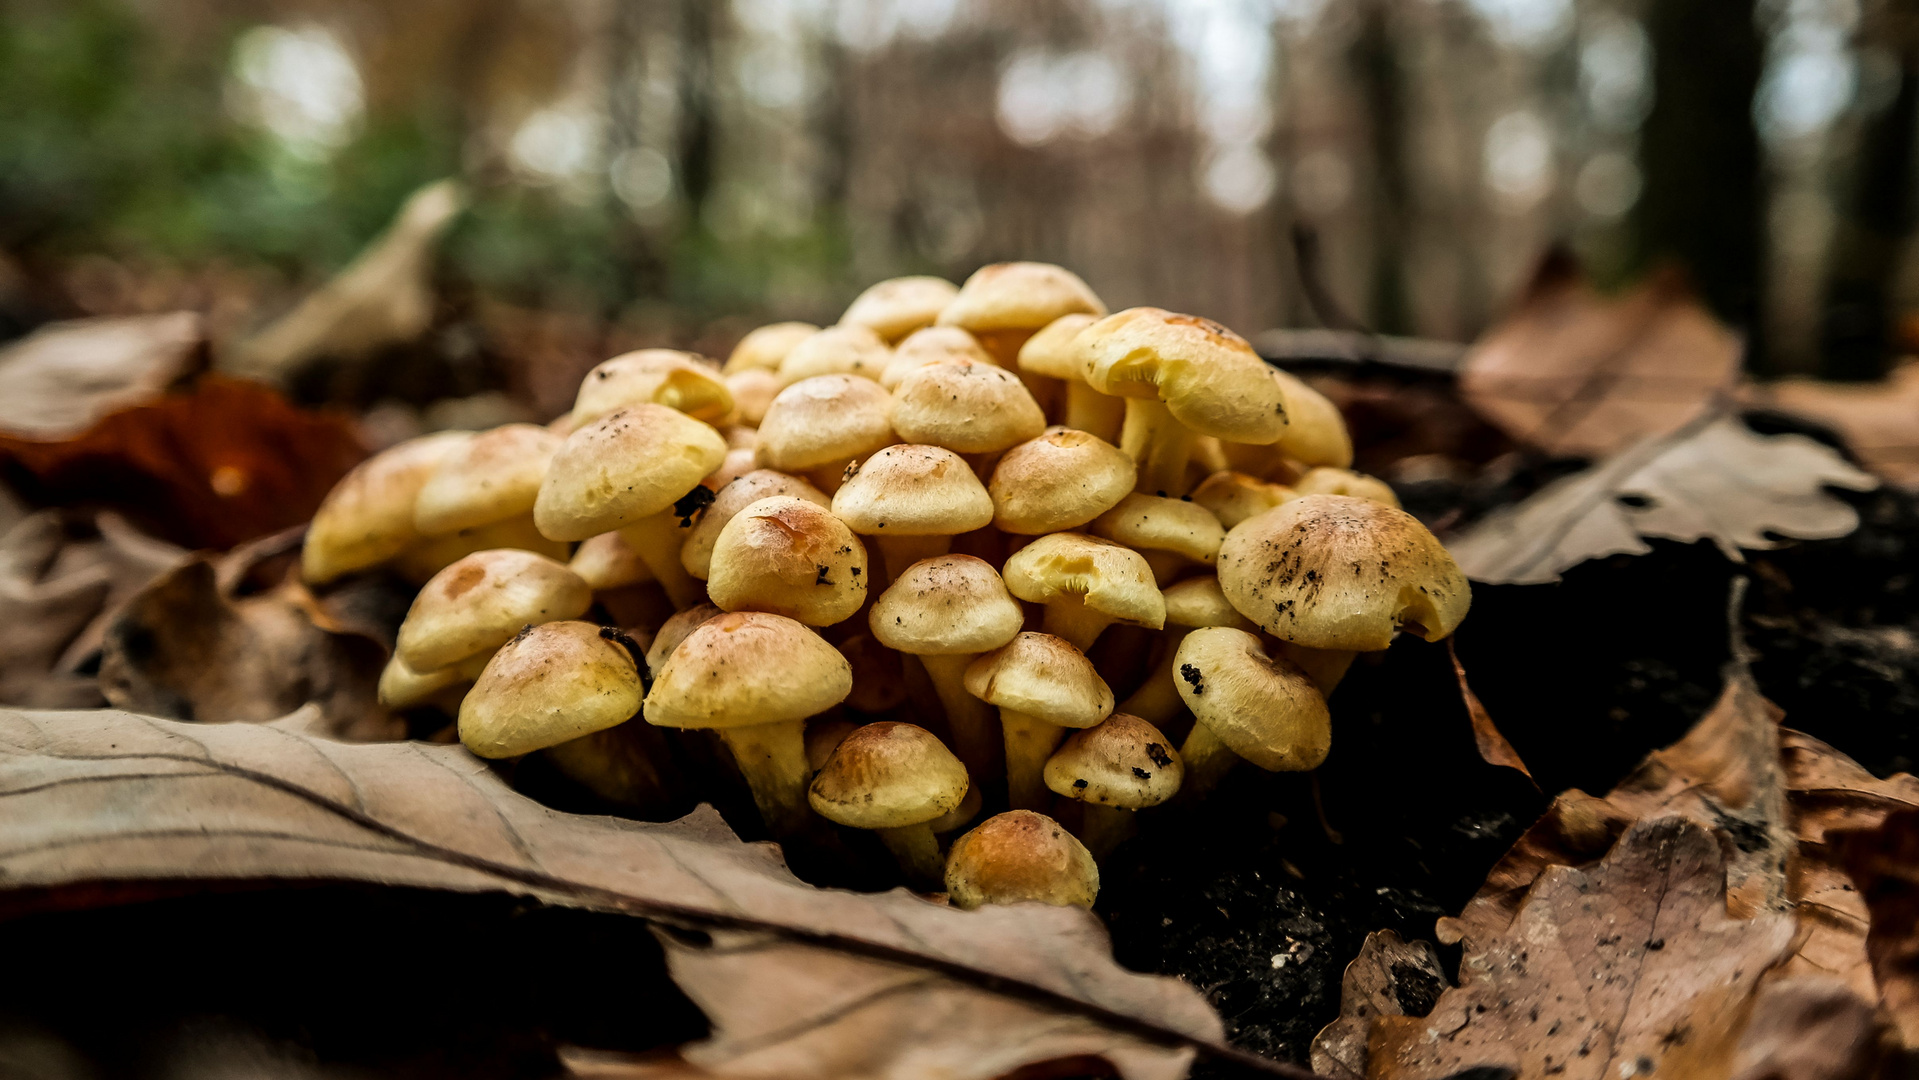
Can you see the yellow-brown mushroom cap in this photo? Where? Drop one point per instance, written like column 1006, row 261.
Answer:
column 1234, row 496
column 744, row 668
column 401, row 687
column 1019, row 296
column 913, row 490
column 696, row 554
column 608, row 561
column 674, row 630
column 887, row 776
column 1122, row 761
column 753, row 392
column 1325, row 480
column 928, row 345
column 1021, row 855
column 944, row 606
column 1052, row 351
column 1316, row 432
column 1200, row 602
column 1061, row 480
column 898, row 306
column 965, row 406
column 824, row 734
column 1264, row 708
column 791, row 557
column 825, row 420
column 848, row 349
column 765, row 347
column 1209, row 378
column 490, row 477
column 368, row 516
column 1043, row 677
column 548, row 685
column 482, row 600
column 1110, row 579
column 1336, row 572
column 624, row 468
column 678, row 380
column 1156, row 523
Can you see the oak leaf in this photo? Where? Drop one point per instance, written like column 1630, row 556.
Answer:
column 1879, row 420
column 1389, row 977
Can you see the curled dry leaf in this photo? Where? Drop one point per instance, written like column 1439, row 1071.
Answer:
column 1712, row 480
column 1389, row 977
column 62, row 378
column 1580, row 374
column 1492, row 744
column 1631, row 967
column 800, row 983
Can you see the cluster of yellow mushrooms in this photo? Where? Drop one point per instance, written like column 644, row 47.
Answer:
column 857, row 569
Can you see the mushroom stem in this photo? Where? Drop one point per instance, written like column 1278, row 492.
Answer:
column 1159, row 444
column 1207, row 759
column 917, row 850
column 1078, row 624
column 968, row 719
column 1157, row 699
column 1103, row 828
column 900, row 552
column 1029, row 742
column 1099, row 415
column 1166, row 565
column 656, row 540
column 1326, row 667
column 828, row 478
column 772, row 757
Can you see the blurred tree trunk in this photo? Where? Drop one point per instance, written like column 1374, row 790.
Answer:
column 697, row 143
column 1382, row 88
column 1702, row 205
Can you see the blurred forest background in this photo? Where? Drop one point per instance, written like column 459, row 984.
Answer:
column 676, row 171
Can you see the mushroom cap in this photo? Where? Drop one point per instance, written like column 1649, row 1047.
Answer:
column 677, row 380
column 401, row 687
column 674, row 630
column 825, row 420
column 744, row 668
column 484, row 599
column 1316, row 431
column 824, row 734
column 753, row 391
column 1044, row 677
column 433, row 554
column 888, row 775
column 1061, row 480
column 368, row 516
column 548, row 685
column 1051, row 352
column 492, row 476
column 696, row 554
column 1325, row 480
column 1122, row 761
column 966, row 406
column 913, row 490
column 928, row 344
column 791, row 557
column 847, row 349
column 967, row 810
column 765, row 347
column 898, row 306
column 1018, row 296
column 624, row 468
column 607, row 561
column 879, row 682
column 1020, row 855
column 1336, row 572
column 738, row 461
column 1210, row 378
column 1156, row 523
column 1108, row 578
column 1234, row 496
column 1200, row 602
column 1264, row 708
column 945, row 606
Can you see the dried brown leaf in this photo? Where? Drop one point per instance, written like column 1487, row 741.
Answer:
column 41, row 611
column 800, row 983
column 1628, row 968
column 1812, row 1028
column 1884, row 865
column 63, row 378
column 1389, row 977
column 1879, row 421
column 1712, row 480
column 1492, row 744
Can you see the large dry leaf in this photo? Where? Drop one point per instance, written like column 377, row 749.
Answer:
column 800, row 983
column 1879, row 421
column 1628, row 968
column 1389, row 977
column 63, row 378
column 1712, row 480
column 1884, row 864
column 1806, row 1027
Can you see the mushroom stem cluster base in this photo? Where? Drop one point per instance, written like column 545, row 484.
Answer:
column 1207, row 759
column 1157, row 699
column 1103, row 828
column 1159, row 444
column 1078, row 624
column 917, row 850
column 1096, row 414
column 969, row 720
column 1029, row 742
column 657, row 541
column 772, row 758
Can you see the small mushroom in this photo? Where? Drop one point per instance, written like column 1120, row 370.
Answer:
column 481, row 601
column 1020, row 855
column 762, row 349
column 1174, row 534
column 677, row 380
column 552, row 683
column 368, row 516
column 1087, row 585
column 673, row 631
column 1059, row 481
column 790, row 557
column 696, row 553
column 900, row 306
column 1246, row 704
column 607, row 561
column 824, row 734
column 1006, row 303
column 817, row 427
column 755, row 678
column 927, row 346
column 493, row 476
column 1316, row 433
column 753, row 391
column 1326, row 480
column 1234, row 496
column 912, row 500
column 894, row 779
column 965, row 406
column 1190, row 604
column 432, row 554
column 1041, row 686
column 847, row 349
column 401, row 687
column 1052, row 353
column 1116, row 768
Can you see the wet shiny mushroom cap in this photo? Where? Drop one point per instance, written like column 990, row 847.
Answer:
column 1019, row 856
column 548, row 685
column 847, row 349
column 965, row 406
column 1337, row 572
column 624, row 468
column 696, row 554
column 898, row 306
column 1061, row 480
column 791, row 557
column 1107, row 577
column 1122, row 761
column 947, row 605
column 678, row 380
column 490, row 477
column 481, row 601
column 1043, row 677
column 368, row 516
column 1209, row 378
column 1264, row 708
column 745, row 668
column 763, row 349
column 888, row 775
column 913, row 490
column 825, row 420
